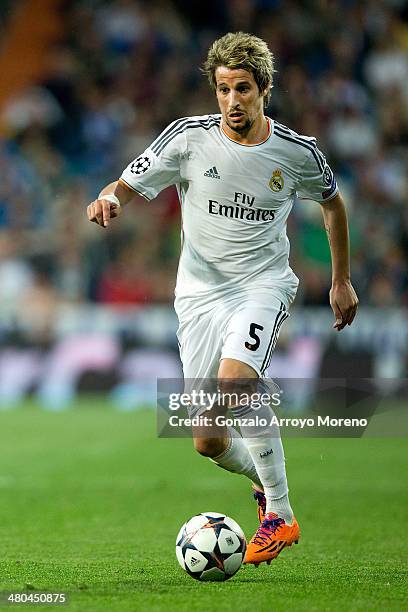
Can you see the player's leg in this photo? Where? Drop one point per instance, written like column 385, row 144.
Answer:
column 200, row 341
column 252, row 336
column 228, row 451
column 264, row 444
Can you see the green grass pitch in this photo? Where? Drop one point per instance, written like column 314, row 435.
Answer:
column 91, row 502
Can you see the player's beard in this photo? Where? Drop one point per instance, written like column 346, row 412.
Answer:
column 241, row 129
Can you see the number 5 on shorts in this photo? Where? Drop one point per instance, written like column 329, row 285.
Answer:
column 252, row 333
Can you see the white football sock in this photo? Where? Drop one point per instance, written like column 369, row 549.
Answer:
column 237, row 459
column 265, row 447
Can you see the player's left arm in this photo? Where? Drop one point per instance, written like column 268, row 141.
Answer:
column 343, row 298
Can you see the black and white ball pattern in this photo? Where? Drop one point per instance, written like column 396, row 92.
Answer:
column 140, row 165
column 211, row 547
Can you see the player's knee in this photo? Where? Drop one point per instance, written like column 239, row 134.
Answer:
column 209, row 447
column 236, row 378
column 233, row 369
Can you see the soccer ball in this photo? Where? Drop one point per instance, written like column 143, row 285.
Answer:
column 210, row 546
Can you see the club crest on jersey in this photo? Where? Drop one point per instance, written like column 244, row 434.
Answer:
column 277, row 182
column 140, row 165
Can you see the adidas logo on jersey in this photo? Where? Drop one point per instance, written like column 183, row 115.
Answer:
column 212, row 173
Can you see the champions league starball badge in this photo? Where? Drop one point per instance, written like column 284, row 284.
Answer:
column 140, row 165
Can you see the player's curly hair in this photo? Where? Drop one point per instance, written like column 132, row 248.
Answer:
column 241, row 50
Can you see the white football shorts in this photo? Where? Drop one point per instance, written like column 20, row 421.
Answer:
column 241, row 327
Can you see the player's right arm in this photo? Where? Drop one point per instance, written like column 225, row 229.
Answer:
column 109, row 203
column 147, row 175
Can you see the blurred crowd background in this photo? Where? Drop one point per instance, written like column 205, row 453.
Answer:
column 118, row 71
column 86, row 85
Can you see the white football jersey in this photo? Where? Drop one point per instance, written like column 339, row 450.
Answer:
column 235, row 201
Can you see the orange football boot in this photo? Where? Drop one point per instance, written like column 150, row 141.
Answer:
column 272, row 537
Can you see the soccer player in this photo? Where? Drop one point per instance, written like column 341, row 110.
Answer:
column 238, row 174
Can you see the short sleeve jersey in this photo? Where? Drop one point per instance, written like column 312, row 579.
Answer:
column 235, row 201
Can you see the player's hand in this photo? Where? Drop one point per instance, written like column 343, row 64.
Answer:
column 100, row 211
column 344, row 303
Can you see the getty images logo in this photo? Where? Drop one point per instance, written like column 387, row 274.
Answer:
column 266, row 453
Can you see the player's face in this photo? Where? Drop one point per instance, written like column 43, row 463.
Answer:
column 239, row 99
